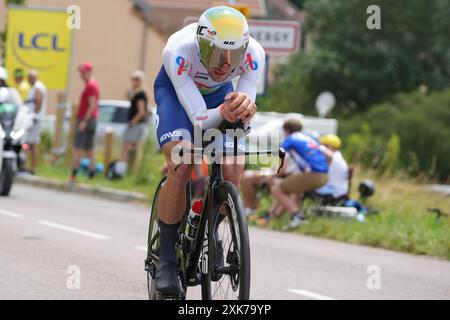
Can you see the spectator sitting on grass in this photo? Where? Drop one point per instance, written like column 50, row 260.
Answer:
column 338, row 175
column 253, row 180
column 305, row 151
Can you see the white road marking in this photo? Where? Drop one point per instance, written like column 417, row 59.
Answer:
column 141, row 248
column 310, row 294
column 73, row 230
column 11, row 214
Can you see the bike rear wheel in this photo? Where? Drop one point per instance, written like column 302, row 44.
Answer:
column 233, row 281
column 153, row 247
column 153, row 244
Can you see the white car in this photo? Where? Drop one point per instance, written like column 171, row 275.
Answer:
column 267, row 127
column 112, row 114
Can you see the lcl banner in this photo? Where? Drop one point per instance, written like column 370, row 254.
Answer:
column 39, row 39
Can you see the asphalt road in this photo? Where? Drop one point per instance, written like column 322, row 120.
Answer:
column 49, row 238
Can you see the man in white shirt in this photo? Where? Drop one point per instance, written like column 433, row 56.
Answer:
column 338, row 174
column 37, row 102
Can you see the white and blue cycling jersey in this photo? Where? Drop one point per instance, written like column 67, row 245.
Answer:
column 305, row 151
column 186, row 94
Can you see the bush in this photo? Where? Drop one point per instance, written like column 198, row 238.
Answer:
column 360, row 66
column 46, row 143
column 411, row 132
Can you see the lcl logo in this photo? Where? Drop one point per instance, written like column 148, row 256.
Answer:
column 40, row 41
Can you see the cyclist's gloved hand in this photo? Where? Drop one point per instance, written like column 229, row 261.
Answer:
column 241, row 105
column 226, row 112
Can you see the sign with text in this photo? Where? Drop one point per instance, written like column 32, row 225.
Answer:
column 276, row 36
column 39, row 39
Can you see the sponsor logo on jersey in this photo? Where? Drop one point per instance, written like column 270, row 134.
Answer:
column 201, row 75
column 202, row 118
column 230, row 145
column 312, row 145
column 170, row 135
column 182, row 64
column 250, row 64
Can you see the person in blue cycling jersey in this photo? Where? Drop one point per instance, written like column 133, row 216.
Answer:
column 305, row 151
column 193, row 88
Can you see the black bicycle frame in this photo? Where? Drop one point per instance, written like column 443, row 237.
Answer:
column 208, row 209
column 216, row 177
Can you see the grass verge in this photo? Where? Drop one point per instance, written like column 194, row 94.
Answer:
column 404, row 224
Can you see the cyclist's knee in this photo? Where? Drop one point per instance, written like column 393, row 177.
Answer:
column 233, row 173
column 182, row 174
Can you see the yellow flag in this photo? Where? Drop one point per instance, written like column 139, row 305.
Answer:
column 39, row 39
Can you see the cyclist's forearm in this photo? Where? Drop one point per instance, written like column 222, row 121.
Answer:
column 210, row 119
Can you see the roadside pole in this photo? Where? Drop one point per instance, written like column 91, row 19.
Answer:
column 109, row 147
column 138, row 160
column 70, row 134
column 59, row 122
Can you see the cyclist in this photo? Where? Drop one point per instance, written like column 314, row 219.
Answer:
column 194, row 87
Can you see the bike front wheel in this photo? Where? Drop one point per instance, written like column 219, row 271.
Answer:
column 228, row 275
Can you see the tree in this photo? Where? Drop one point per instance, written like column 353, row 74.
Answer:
column 362, row 66
column 411, row 131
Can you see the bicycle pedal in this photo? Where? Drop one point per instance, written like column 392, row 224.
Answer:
column 178, row 296
column 150, row 268
column 193, row 282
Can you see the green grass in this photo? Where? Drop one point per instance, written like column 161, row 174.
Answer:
column 403, row 223
column 145, row 182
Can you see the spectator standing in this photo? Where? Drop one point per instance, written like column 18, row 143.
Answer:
column 37, row 102
column 86, row 121
column 21, row 84
column 137, row 118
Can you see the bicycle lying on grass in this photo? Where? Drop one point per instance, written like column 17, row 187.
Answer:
column 230, row 281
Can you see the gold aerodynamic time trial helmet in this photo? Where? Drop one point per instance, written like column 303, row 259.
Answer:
column 222, row 37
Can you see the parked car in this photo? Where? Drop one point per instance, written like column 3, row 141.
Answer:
column 113, row 114
column 266, row 124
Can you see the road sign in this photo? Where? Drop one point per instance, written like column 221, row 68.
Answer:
column 274, row 35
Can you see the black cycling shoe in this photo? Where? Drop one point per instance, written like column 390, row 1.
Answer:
column 218, row 260
column 166, row 280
